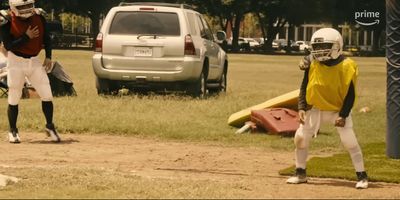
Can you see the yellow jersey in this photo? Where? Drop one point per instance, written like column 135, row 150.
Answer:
column 328, row 85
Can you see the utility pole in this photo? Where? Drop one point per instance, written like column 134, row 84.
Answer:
column 393, row 78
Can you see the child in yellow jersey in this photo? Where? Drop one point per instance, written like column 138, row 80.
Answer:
column 327, row 94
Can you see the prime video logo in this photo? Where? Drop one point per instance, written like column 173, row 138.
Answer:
column 372, row 17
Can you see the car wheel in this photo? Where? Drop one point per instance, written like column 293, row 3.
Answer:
column 222, row 84
column 106, row 87
column 199, row 88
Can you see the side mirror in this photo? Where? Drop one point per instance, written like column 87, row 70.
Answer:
column 221, row 35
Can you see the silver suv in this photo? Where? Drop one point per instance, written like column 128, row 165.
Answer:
column 159, row 46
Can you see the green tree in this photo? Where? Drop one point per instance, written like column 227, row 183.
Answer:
column 228, row 11
column 92, row 9
column 371, row 6
column 273, row 15
column 341, row 11
column 86, row 8
column 379, row 28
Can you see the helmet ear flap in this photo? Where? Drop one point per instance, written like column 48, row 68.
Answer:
column 336, row 51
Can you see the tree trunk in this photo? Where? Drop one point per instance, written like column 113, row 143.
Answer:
column 95, row 28
column 377, row 36
column 221, row 22
column 262, row 27
column 273, row 30
column 290, row 38
column 270, row 34
column 235, row 32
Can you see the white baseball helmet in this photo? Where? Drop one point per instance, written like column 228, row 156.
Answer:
column 326, row 44
column 22, row 8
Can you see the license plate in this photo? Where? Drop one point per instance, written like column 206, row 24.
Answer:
column 143, row 51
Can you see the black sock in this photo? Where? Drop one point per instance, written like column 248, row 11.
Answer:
column 47, row 107
column 12, row 113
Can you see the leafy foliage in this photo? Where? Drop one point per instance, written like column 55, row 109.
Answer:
column 272, row 14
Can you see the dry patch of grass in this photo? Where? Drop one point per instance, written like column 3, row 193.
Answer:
column 59, row 183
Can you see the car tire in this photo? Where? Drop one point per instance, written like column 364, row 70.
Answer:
column 198, row 89
column 105, row 87
column 222, row 84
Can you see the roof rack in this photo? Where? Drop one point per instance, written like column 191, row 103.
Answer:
column 183, row 6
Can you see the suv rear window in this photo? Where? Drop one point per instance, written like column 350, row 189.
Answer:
column 145, row 23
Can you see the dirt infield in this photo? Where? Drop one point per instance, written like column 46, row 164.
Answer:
column 250, row 172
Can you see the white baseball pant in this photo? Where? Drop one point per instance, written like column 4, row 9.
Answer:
column 314, row 118
column 32, row 68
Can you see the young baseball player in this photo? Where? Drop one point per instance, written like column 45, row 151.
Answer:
column 24, row 34
column 327, row 94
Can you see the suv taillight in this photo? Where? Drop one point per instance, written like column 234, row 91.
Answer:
column 99, row 43
column 189, row 46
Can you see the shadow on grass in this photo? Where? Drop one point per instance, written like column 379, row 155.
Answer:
column 159, row 94
column 378, row 166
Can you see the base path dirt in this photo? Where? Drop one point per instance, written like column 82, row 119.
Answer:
column 255, row 169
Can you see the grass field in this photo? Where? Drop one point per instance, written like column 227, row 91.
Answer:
column 252, row 79
column 89, row 183
column 339, row 165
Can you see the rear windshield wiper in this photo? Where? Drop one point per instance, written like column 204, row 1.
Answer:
column 141, row 35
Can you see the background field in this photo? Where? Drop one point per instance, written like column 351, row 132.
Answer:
column 252, row 79
column 83, row 163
